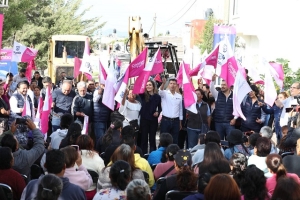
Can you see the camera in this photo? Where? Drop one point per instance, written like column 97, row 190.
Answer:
column 20, row 121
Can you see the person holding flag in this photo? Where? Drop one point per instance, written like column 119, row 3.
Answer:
column 20, row 102
column 198, row 122
column 224, row 120
column 151, row 108
column 171, row 109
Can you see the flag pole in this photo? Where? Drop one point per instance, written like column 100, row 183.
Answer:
column 81, row 78
column 13, row 41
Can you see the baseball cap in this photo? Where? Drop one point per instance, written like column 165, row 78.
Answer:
column 183, row 157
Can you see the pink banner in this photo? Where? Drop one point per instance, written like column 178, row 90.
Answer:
column 5, row 54
column 1, row 28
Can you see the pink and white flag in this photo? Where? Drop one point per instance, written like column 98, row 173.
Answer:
column 158, row 66
column 86, row 66
column 45, row 112
column 85, row 127
column 120, row 93
column 102, row 73
column 140, row 83
column 211, row 59
column 179, row 77
column 207, row 73
column 189, row 94
column 109, row 93
column 22, row 53
column 240, row 89
column 227, row 65
column 137, row 66
column 277, row 73
column 254, row 75
column 269, row 89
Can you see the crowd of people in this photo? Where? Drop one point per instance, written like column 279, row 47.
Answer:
column 210, row 155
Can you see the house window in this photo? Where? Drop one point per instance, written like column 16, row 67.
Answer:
column 235, row 7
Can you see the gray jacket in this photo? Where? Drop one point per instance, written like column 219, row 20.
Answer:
column 24, row 159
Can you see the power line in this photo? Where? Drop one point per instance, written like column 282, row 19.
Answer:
column 177, row 12
column 181, row 15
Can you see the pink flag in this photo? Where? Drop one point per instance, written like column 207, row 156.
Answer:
column 195, row 71
column 1, row 28
column 140, row 83
column 102, row 73
column 138, row 64
column 277, row 73
column 22, row 53
column 120, row 93
column 77, row 64
column 241, row 89
column 158, row 66
column 88, row 76
column 179, row 77
column 269, row 90
column 212, row 58
column 30, row 67
column 190, row 98
column 46, row 111
column 24, row 108
column 86, row 66
column 207, row 74
column 227, row 65
column 157, row 78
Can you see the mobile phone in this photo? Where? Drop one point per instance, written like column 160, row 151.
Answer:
column 20, row 121
column 288, row 110
column 76, row 147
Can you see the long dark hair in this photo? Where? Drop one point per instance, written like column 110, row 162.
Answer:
column 147, row 95
column 107, row 138
column 73, row 133
column 120, row 174
column 253, row 185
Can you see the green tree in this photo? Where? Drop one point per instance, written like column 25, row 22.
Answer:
column 289, row 75
column 205, row 42
column 45, row 18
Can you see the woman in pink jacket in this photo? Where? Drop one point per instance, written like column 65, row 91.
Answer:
column 77, row 175
column 276, row 168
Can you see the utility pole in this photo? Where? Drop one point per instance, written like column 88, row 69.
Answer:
column 154, row 28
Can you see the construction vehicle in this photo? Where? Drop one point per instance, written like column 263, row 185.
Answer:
column 137, row 45
column 61, row 53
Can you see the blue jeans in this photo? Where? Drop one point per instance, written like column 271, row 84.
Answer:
column 99, row 129
column 223, row 129
column 170, row 126
column 192, row 137
column 55, row 123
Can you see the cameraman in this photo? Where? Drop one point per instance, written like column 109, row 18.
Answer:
column 24, row 159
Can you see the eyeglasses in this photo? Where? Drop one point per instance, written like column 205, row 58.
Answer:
column 294, row 88
column 92, row 84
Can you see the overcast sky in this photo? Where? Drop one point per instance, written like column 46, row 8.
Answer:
column 170, row 13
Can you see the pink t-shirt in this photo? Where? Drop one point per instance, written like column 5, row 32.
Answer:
column 162, row 168
column 271, row 182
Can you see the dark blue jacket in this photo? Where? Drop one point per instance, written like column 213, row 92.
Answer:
column 101, row 111
column 224, row 109
column 83, row 104
column 252, row 112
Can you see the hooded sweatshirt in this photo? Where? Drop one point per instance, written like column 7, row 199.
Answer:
column 57, row 136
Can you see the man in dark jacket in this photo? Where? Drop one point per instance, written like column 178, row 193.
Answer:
column 55, row 164
column 101, row 114
column 37, row 77
column 224, row 120
column 82, row 103
column 198, row 122
column 253, row 112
